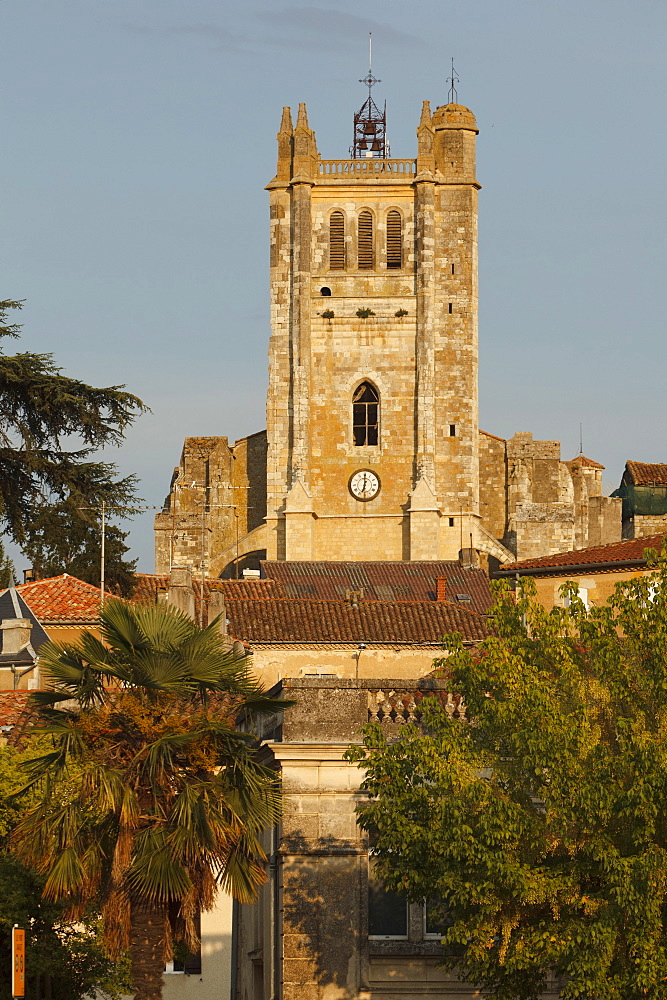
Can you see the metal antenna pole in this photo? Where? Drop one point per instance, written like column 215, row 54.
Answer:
column 203, row 565
column 102, row 552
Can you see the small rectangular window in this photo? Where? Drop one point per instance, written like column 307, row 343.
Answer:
column 453, row 269
column 451, row 307
column 583, row 597
column 387, row 911
column 452, row 430
column 184, row 961
column 451, row 522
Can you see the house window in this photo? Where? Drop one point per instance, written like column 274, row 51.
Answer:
column 365, row 241
column 184, row 961
column 583, row 597
column 336, row 241
column 365, row 414
column 387, row 910
column 394, row 239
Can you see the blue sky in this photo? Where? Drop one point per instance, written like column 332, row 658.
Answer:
column 138, row 136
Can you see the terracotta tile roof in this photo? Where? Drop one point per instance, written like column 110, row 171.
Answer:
column 645, row 474
column 62, row 599
column 630, row 549
column 385, row 623
column 15, row 714
column 149, row 585
column 589, row 463
column 380, row 581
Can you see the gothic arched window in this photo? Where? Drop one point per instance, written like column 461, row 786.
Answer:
column 336, row 241
column 365, row 241
column 394, row 239
column 365, row 414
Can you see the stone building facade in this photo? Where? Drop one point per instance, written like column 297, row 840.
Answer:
column 313, row 934
column 372, row 448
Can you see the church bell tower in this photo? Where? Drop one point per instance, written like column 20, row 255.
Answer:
column 372, row 416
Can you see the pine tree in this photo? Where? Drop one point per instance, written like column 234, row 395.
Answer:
column 44, row 481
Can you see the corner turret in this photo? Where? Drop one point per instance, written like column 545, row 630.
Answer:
column 455, row 139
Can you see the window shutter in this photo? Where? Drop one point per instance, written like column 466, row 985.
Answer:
column 365, row 240
column 336, row 241
column 394, row 240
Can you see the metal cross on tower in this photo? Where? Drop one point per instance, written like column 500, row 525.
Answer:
column 453, row 96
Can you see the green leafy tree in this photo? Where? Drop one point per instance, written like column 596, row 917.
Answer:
column 151, row 797
column 62, row 961
column 42, row 414
column 539, row 829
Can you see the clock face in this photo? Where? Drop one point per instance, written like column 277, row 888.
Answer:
column 364, row 485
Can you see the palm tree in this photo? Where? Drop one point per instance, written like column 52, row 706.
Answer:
column 151, row 797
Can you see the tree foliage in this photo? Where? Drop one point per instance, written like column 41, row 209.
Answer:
column 540, row 826
column 7, row 570
column 151, row 797
column 62, row 961
column 50, row 428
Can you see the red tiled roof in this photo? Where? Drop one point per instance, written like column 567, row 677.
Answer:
column 14, row 712
column 589, row 463
column 646, row 474
column 385, row 623
column 630, row 549
column 380, row 581
column 149, row 585
column 62, row 599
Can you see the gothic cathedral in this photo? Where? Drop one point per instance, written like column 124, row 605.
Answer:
column 372, row 449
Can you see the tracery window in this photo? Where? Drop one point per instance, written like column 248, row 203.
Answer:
column 336, row 241
column 365, row 241
column 365, row 414
column 394, row 239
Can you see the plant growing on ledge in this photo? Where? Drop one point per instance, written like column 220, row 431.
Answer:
column 401, row 312
column 328, row 314
column 365, row 313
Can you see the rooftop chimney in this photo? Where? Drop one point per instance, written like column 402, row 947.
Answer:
column 15, row 634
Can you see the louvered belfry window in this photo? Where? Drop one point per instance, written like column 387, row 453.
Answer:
column 365, row 241
column 365, row 414
column 336, row 241
column 394, row 240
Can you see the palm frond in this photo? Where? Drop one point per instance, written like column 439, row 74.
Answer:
column 154, row 875
column 66, row 877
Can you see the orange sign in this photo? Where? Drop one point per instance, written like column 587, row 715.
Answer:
column 18, row 962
